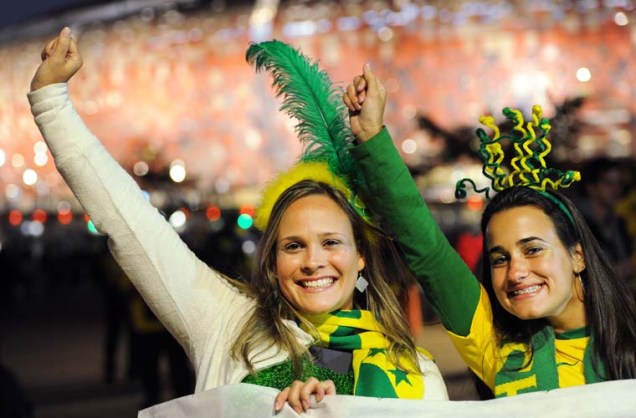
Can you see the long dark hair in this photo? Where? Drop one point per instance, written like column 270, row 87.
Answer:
column 609, row 303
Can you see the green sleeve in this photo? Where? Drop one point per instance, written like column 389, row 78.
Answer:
column 447, row 281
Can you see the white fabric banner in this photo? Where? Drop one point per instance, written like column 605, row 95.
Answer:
column 615, row 399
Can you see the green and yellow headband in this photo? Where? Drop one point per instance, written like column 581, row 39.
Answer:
column 527, row 166
column 310, row 98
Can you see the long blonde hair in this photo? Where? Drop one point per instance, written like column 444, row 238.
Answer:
column 385, row 271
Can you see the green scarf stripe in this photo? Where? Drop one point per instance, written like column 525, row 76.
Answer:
column 345, row 342
column 343, row 331
column 353, row 314
column 573, row 334
column 376, row 383
column 594, row 370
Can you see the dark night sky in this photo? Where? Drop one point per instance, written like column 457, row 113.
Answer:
column 22, row 11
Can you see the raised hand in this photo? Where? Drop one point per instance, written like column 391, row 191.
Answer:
column 299, row 394
column 365, row 98
column 60, row 60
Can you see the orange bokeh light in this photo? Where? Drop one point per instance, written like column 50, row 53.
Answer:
column 213, row 213
column 15, row 217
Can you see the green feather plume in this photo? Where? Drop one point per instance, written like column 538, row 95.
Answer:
column 310, row 97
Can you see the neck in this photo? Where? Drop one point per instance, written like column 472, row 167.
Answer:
column 560, row 325
column 573, row 315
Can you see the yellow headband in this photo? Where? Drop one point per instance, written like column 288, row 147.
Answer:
column 304, row 170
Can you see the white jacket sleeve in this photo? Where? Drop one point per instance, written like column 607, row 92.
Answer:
column 191, row 300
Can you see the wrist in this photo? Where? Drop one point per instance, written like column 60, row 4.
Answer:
column 367, row 134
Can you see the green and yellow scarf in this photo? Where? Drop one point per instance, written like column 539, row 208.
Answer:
column 374, row 374
column 522, row 374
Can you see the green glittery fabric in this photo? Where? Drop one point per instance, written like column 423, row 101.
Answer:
column 282, row 375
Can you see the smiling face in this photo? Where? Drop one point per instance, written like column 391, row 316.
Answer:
column 533, row 274
column 317, row 262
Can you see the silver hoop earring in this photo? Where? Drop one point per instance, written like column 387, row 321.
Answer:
column 361, row 283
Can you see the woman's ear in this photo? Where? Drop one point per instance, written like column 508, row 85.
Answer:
column 578, row 258
column 361, row 262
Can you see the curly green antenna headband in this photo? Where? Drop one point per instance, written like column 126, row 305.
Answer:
column 527, row 166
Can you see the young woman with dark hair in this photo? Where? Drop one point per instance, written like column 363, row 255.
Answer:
column 549, row 311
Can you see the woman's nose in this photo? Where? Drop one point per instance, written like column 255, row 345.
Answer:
column 314, row 259
column 518, row 268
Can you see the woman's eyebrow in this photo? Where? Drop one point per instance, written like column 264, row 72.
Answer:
column 499, row 249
